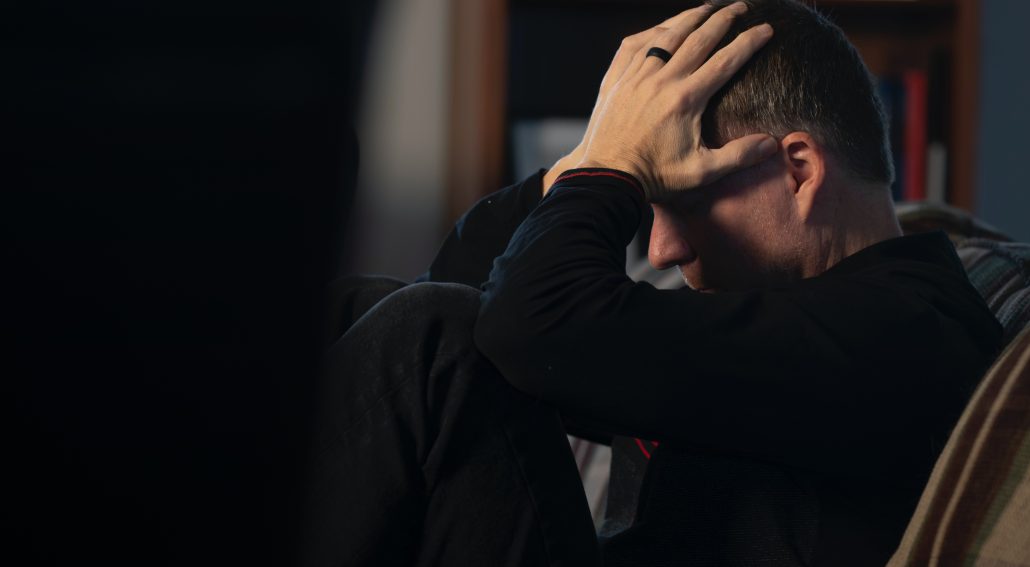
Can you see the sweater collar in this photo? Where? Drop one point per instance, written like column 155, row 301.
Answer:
column 930, row 247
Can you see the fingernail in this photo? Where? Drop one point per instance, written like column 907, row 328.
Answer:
column 768, row 146
column 739, row 8
column 767, row 30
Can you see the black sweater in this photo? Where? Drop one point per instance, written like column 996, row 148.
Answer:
column 816, row 409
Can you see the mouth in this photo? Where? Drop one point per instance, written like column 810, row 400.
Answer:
column 699, row 288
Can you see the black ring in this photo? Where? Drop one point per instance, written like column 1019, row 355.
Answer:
column 659, row 53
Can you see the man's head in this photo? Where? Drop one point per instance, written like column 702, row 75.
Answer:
column 809, row 78
column 790, row 216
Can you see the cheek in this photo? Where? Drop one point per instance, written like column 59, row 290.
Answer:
column 734, row 219
column 752, row 229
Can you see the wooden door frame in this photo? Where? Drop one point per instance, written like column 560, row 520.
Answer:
column 478, row 86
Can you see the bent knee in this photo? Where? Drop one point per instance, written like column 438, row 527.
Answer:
column 445, row 309
column 432, row 299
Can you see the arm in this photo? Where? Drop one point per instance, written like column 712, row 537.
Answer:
column 562, row 322
column 482, row 234
column 484, row 231
column 790, row 376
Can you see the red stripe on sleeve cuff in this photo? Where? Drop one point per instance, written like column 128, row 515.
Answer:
column 603, row 173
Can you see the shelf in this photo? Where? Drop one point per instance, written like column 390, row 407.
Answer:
column 559, row 77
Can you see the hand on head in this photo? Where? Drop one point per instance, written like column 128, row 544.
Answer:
column 647, row 118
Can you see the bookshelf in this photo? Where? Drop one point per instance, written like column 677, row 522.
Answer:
column 929, row 35
column 559, row 78
column 531, row 59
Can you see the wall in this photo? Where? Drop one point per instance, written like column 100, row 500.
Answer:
column 403, row 137
column 1003, row 194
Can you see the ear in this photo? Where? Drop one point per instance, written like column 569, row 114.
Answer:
column 806, row 165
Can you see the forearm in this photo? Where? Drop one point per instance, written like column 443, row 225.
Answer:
column 735, row 371
column 562, row 267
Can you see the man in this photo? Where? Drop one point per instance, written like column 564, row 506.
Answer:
column 798, row 394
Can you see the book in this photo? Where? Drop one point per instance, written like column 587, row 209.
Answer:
column 892, row 95
column 916, row 87
column 938, row 103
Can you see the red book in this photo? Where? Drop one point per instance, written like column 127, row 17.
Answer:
column 915, row 83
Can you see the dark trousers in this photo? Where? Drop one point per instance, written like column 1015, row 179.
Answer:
column 425, row 455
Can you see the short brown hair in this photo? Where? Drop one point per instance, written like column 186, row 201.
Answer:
column 810, row 78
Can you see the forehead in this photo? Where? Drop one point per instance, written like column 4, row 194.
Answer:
column 736, row 198
column 729, row 187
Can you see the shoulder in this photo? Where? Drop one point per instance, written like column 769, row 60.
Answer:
column 907, row 298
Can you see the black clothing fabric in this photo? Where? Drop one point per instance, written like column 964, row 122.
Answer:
column 482, row 234
column 790, row 426
column 425, row 454
column 797, row 425
column 562, row 321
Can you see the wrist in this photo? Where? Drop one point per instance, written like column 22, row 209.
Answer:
column 604, row 176
column 561, row 166
column 625, row 166
column 550, row 177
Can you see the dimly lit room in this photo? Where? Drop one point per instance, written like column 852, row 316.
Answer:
column 518, row 282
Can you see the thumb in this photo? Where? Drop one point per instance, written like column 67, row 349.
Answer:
column 736, row 155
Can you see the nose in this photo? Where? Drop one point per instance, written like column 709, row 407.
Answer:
column 668, row 246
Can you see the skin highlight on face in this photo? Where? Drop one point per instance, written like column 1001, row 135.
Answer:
column 741, row 232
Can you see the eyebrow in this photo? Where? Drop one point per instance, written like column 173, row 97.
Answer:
column 693, row 198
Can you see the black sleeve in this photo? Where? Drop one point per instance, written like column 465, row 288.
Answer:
column 482, row 233
column 775, row 374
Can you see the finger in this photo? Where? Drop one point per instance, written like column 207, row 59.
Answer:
column 696, row 48
column 711, row 76
column 634, row 48
column 628, row 50
column 685, row 14
column 675, row 30
column 629, row 47
column 644, row 39
column 736, row 155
